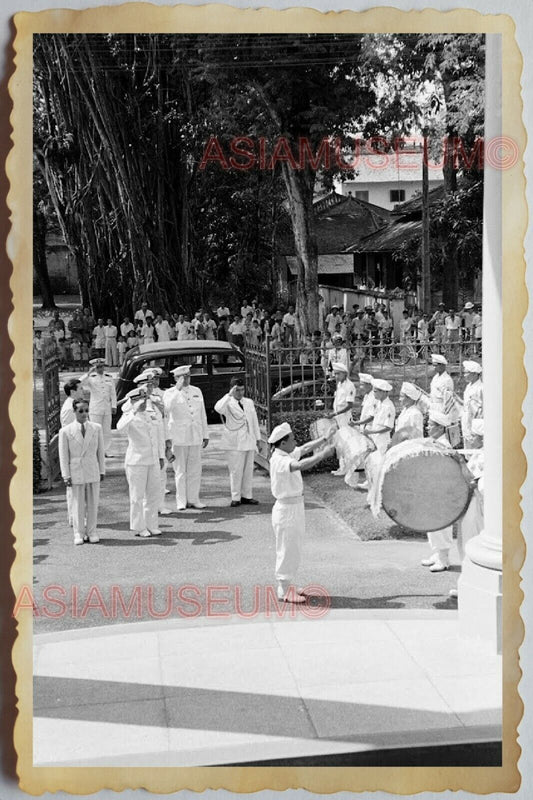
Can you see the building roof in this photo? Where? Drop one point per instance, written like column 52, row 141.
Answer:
column 328, row 264
column 388, row 239
column 391, row 167
column 339, row 222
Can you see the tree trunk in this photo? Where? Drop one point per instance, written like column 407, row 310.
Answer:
column 300, row 184
column 39, row 259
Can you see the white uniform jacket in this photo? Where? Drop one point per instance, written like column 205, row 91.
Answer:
column 283, row 482
column 81, row 458
column 103, row 394
column 344, row 394
column 472, row 406
column 369, row 407
column 146, row 444
column 186, row 417
column 441, row 389
column 241, row 427
column 411, row 418
column 384, row 417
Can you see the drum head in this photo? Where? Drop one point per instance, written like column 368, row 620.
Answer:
column 426, row 492
column 322, row 427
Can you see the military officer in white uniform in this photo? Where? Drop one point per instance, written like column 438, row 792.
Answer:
column 288, row 514
column 81, row 458
column 103, row 402
column 410, row 416
column 472, row 402
column 144, row 456
column 343, row 403
column 187, row 434
column 441, row 387
column 240, row 439
column 156, row 398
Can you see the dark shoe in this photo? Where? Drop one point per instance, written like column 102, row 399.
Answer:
column 249, row 501
column 235, row 503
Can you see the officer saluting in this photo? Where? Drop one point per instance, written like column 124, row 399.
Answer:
column 187, row 433
column 103, row 402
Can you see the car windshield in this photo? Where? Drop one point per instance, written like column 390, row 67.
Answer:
column 226, row 363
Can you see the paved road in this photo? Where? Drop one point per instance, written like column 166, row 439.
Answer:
column 216, row 547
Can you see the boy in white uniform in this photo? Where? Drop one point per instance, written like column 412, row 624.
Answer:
column 439, row 541
column 472, row 401
column 288, row 513
column 343, row 403
column 410, row 416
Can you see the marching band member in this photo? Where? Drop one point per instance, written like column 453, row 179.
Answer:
column 410, row 416
column 288, row 513
column 472, row 401
column 369, row 403
column 343, row 403
column 439, row 541
column 144, row 457
column 381, row 427
column 441, row 387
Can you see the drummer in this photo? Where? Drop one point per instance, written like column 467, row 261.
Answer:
column 472, row 402
column 410, row 416
column 439, row 541
column 343, row 403
column 380, row 432
column 441, row 387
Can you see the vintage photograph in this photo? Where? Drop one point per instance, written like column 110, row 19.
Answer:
column 259, row 278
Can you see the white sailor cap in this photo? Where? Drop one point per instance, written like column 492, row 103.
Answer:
column 96, row 362
column 364, row 377
column 472, row 366
column 185, row 369
column 156, row 371
column 279, row 432
column 144, row 377
column 138, row 393
column 468, row 306
column 439, row 417
column 436, row 358
column 379, row 383
column 338, row 366
column 410, row 390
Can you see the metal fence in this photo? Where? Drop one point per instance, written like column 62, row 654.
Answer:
column 301, row 379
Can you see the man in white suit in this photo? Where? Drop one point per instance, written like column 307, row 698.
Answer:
column 240, row 439
column 81, row 457
column 144, row 458
column 103, row 402
column 187, row 434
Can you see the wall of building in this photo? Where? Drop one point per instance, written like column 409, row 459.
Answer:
column 379, row 192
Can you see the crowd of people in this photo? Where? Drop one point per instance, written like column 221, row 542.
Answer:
column 84, row 337
column 170, row 428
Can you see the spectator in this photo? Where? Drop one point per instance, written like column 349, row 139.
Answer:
column 169, row 319
column 88, row 323
column 359, row 326
column 289, row 328
column 338, row 353
column 210, row 327
column 162, row 329
column 247, row 326
column 265, row 323
column 438, row 321
column 423, row 329
column 255, row 334
column 56, row 323
column 256, row 311
column 276, row 333
column 121, row 350
column 125, row 327
column 222, row 330
column 75, row 351
column 148, row 331
column 111, row 353
column 181, row 328
column 379, row 314
column 223, row 311
column 385, row 326
column 143, row 312
column 478, row 326
column 405, row 327
column 75, row 325
column 132, row 340
column 139, row 325
column 37, row 348
column 99, row 339
column 332, row 319
column 198, row 326
column 467, row 315
column 236, row 331
column 246, row 309
column 453, row 324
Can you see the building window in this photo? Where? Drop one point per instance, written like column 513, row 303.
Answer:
column 362, row 195
column 397, row 195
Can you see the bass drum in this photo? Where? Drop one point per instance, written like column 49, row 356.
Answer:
column 422, row 486
column 322, row 427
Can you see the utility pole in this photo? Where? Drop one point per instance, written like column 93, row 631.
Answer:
column 426, row 275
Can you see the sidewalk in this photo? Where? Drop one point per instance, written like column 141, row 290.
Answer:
column 175, row 694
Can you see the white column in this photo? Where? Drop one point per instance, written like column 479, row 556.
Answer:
column 480, row 584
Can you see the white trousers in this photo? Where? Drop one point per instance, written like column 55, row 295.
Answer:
column 103, row 419
column 111, row 352
column 144, row 485
column 373, row 464
column 188, row 472
column 343, row 421
column 288, row 521
column 241, row 473
column 84, row 508
column 162, row 485
column 441, row 540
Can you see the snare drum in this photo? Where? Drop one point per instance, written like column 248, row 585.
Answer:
column 421, row 486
